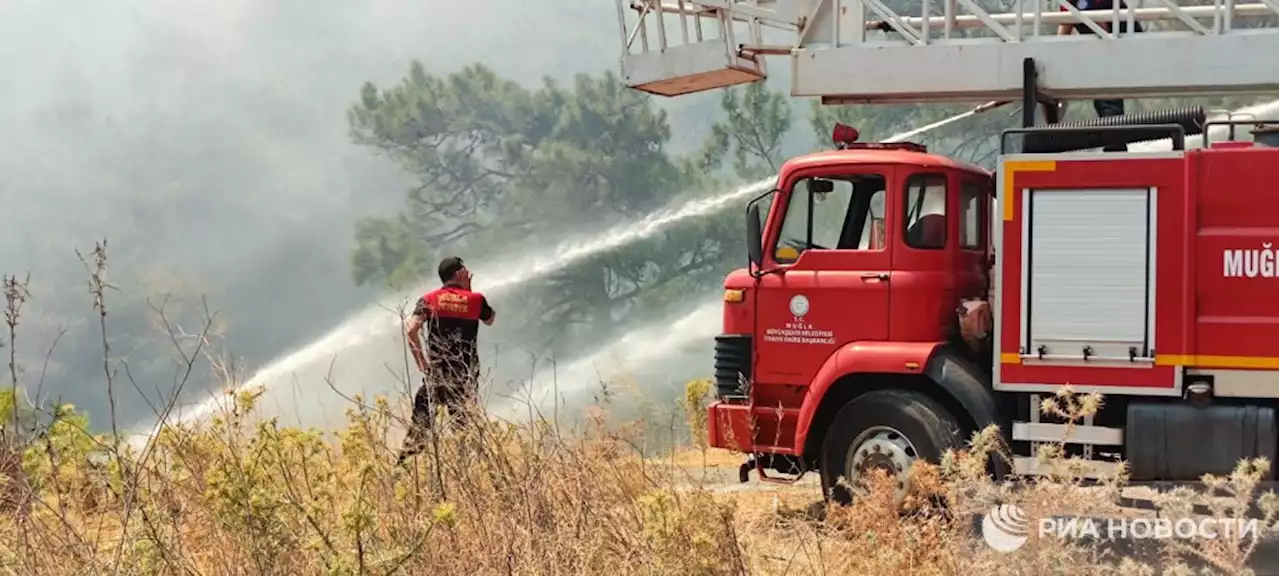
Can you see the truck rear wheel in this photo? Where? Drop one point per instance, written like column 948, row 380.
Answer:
column 888, row 430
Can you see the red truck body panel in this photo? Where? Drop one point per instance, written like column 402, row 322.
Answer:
column 1231, row 263
column 1209, row 203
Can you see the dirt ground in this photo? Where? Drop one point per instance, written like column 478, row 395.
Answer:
column 717, row 471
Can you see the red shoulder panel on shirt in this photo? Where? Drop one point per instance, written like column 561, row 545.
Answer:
column 452, row 302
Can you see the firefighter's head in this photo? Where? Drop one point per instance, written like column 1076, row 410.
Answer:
column 454, row 272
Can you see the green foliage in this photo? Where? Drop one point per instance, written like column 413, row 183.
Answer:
column 696, row 395
column 756, row 120
column 66, row 461
column 388, row 250
column 504, row 169
column 491, row 153
column 16, row 414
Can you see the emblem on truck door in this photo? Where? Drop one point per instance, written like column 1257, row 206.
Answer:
column 799, row 306
column 797, row 331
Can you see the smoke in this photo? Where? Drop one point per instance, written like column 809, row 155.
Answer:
column 208, row 143
column 661, row 355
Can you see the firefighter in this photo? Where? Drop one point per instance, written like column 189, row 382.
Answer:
column 451, row 364
column 1103, row 108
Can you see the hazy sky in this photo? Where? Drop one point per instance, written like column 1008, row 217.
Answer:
column 210, row 140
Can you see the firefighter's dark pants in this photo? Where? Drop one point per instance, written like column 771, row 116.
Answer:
column 1105, row 108
column 454, row 394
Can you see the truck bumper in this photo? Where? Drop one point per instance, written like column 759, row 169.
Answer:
column 730, row 426
column 721, row 419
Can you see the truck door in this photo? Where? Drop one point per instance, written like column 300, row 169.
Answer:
column 831, row 284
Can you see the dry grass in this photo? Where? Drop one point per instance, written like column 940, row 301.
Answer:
column 686, row 457
column 241, row 495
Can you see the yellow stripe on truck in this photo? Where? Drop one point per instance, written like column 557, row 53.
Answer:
column 1015, row 166
column 1243, row 362
column 1254, row 362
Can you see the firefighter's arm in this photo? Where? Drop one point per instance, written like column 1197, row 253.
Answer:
column 486, row 312
column 420, row 314
column 1064, row 28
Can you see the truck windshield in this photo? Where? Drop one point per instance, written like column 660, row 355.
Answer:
column 832, row 213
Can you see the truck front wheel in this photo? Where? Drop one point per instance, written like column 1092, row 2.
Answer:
column 887, row 430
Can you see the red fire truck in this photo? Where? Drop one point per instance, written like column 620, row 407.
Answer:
column 896, row 300
column 891, row 308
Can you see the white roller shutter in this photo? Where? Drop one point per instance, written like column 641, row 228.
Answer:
column 1087, row 269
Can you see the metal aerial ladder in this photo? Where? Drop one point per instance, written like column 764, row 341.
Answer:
column 862, row 51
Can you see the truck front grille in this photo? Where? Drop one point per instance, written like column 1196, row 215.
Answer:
column 733, row 364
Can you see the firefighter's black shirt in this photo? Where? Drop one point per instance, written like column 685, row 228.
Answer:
column 452, row 317
column 1103, row 22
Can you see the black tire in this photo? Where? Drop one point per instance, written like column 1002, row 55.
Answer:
column 925, row 424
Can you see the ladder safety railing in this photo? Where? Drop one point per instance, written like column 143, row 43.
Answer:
column 1021, row 24
column 706, row 44
column 1028, row 20
column 692, row 15
column 701, row 44
column 1018, row 19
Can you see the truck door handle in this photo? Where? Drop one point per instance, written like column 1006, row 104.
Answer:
column 881, row 276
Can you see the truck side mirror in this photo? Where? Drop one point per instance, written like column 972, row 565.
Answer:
column 755, row 243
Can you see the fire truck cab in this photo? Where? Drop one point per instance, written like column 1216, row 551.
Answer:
column 860, row 257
